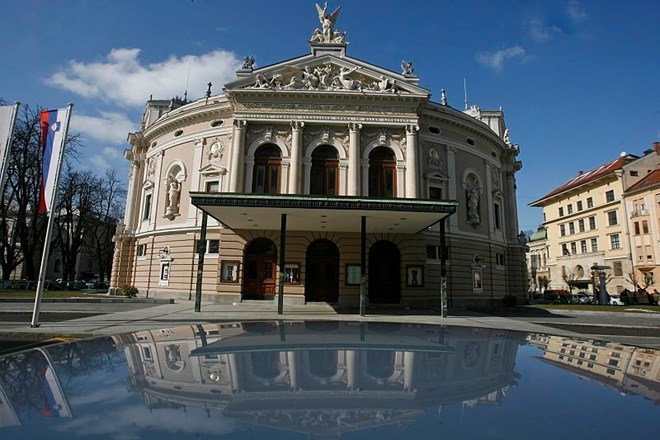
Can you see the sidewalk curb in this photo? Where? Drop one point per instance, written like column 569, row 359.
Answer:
column 91, row 300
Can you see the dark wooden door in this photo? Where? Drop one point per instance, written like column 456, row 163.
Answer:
column 322, row 272
column 384, row 273
column 260, row 270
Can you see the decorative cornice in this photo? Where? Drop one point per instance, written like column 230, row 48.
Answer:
column 185, row 116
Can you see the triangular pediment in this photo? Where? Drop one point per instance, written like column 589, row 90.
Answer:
column 437, row 176
column 212, row 169
column 327, row 73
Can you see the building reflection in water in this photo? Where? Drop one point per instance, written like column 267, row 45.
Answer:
column 335, row 376
column 316, row 378
column 624, row 368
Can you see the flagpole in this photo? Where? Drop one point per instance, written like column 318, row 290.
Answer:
column 5, row 158
column 49, row 228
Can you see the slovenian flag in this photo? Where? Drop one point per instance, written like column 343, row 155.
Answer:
column 53, row 132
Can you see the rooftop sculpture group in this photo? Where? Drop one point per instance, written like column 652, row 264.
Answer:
column 327, row 33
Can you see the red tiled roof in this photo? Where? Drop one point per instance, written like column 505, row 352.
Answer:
column 648, row 180
column 589, row 176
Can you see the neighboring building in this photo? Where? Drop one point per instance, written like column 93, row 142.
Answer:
column 537, row 260
column 586, row 225
column 605, row 217
column 304, row 149
column 642, row 198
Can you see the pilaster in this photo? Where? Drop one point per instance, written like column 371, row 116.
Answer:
column 237, row 153
column 411, row 161
column 353, row 158
column 296, row 157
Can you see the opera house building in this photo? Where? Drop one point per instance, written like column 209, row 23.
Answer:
column 321, row 178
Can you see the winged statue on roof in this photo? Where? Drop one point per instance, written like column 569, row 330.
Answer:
column 327, row 33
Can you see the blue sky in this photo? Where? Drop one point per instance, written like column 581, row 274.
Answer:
column 577, row 79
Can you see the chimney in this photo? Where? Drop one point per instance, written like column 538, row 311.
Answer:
column 656, row 147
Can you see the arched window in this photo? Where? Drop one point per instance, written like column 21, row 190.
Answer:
column 382, row 173
column 267, row 165
column 324, row 171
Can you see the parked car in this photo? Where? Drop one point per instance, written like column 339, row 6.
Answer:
column 615, row 300
column 556, row 296
column 580, row 298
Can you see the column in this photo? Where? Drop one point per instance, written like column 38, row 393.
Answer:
column 293, row 370
column 157, row 190
column 132, row 197
column 365, row 177
column 411, row 161
column 511, row 217
column 351, row 369
column 353, row 159
column 237, row 153
column 409, row 371
column 296, row 157
column 453, row 179
column 488, row 198
column 195, row 178
column 234, row 373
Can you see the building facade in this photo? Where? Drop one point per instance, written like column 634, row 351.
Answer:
column 642, row 199
column 323, row 130
column 537, row 260
column 603, row 217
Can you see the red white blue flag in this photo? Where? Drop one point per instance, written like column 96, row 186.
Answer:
column 53, row 132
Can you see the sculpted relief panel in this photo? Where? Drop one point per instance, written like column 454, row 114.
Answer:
column 326, row 76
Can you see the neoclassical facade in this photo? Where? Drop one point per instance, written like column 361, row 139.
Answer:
column 374, row 182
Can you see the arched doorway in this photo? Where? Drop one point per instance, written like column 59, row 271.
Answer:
column 384, row 273
column 322, row 272
column 382, row 173
column 324, row 171
column 267, row 165
column 260, row 263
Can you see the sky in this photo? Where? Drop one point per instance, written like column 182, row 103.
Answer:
column 577, row 79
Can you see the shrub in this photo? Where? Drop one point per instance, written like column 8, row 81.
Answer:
column 130, row 291
column 509, row 300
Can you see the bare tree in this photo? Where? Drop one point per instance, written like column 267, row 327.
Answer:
column 21, row 226
column 571, row 281
column 73, row 217
column 109, row 209
column 646, row 281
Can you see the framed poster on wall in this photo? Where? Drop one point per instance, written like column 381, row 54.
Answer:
column 415, row 276
column 229, row 272
column 353, row 274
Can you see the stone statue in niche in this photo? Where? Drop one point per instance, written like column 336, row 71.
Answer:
column 173, row 192
column 472, row 195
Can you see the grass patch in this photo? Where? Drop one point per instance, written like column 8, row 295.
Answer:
column 30, row 294
column 598, row 308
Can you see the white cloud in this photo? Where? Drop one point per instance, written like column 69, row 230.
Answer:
column 110, row 127
column 122, row 79
column 541, row 32
column 110, row 157
column 496, row 60
column 576, row 12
